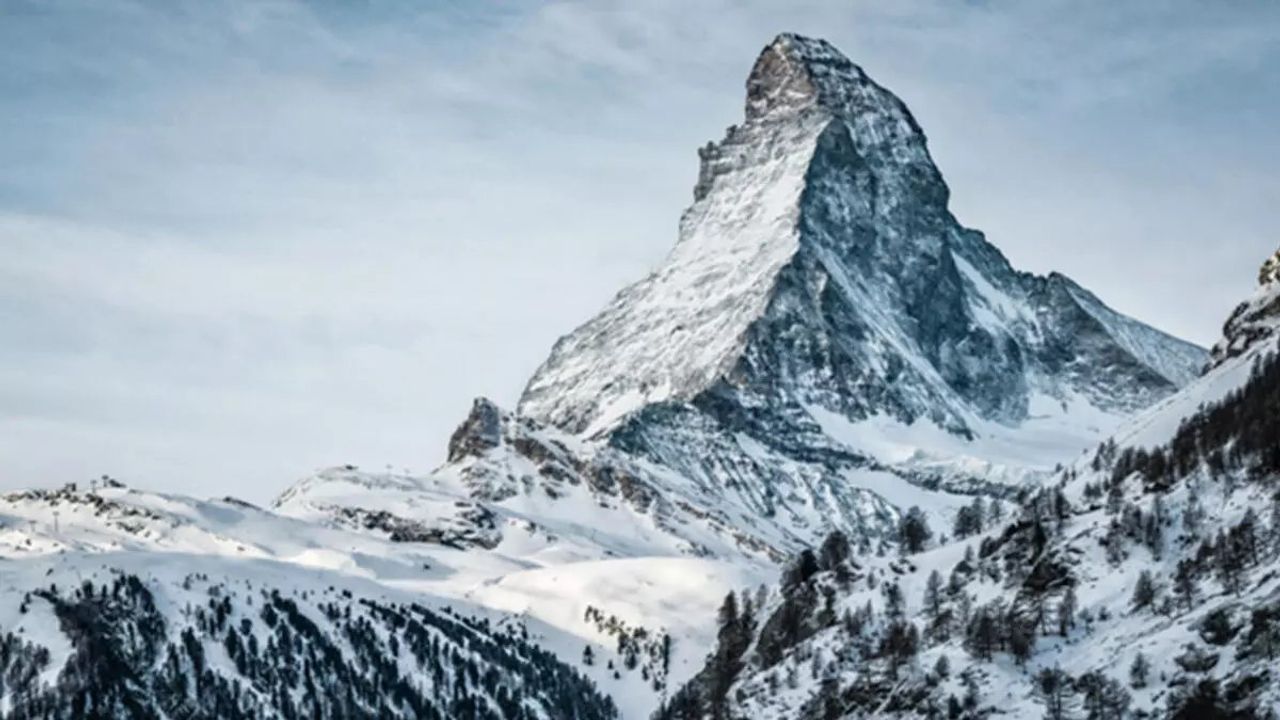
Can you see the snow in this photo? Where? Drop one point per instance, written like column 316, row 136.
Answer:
column 677, row 595
column 1158, row 424
column 675, row 331
column 544, row 580
column 1118, row 633
column 995, row 307
column 1053, row 435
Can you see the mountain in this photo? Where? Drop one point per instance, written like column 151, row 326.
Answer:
column 1141, row 582
column 359, row 615
column 820, row 265
column 825, row 345
column 826, row 353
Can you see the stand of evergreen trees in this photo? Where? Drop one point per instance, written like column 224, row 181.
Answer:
column 289, row 657
column 1237, row 433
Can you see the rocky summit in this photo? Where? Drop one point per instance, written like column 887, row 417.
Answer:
column 825, row 330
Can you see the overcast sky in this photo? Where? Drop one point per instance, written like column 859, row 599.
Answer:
column 240, row 241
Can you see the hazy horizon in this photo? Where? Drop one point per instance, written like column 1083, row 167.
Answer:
column 244, row 242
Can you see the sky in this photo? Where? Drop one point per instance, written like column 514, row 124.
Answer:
column 241, row 241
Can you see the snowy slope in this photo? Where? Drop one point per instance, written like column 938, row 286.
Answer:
column 129, row 634
column 530, row 584
column 1167, row 565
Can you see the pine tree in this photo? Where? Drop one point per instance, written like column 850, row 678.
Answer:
column 1153, row 529
column 934, row 606
column 1217, row 627
column 1020, row 634
column 1184, row 583
column 799, row 571
column 1275, row 523
column 972, row 693
column 1115, row 496
column 1230, row 557
column 1264, row 632
column 979, row 508
column 1248, row 534
column 942, row 668
column 1203, row 702
column 1144, row 591
column 1139, row 671
column 726, row 661
column 901, row 643
column 1193, row 514
column 1104, row 698
column 1067, row 611
column 1114, row 542
column 834, row 550
column 913, row 531
column 982, row 635
column 1054, row 688
column 895, row 605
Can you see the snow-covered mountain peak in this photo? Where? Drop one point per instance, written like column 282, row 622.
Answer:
column 819, row 262
column 825, row 349
column 811, row 114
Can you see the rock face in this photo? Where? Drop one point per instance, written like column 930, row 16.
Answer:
column 1255, row 320
column 819, row 284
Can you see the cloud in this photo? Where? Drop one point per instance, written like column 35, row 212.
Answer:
column 245, row 240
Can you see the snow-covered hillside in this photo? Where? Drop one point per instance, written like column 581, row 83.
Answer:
column 1140, row 583
column 186, row 554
